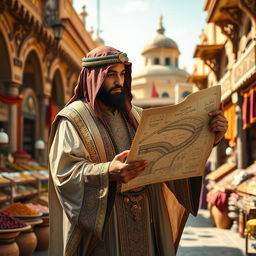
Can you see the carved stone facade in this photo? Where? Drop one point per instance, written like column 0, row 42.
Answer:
column 226, row 55
column 37, row 73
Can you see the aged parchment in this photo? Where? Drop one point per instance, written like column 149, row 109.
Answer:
column 175, row 140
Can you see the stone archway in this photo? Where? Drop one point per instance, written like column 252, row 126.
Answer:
column 32, row 74
column 5, row 65
column 31, row 115
column 57, row 94
column 5, row 79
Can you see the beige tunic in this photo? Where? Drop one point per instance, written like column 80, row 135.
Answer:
column 84, row 220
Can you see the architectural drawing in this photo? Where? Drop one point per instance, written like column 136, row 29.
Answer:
column 175, row 140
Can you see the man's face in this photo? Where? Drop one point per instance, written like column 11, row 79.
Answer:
column 112, row 90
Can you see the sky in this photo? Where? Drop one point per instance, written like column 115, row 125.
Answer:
column 128, row 25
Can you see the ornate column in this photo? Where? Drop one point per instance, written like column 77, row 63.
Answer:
column 12, row 89
column 43, row 104
column 215, row 158
column 242, row 158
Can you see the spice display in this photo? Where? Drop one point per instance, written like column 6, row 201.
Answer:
column 15, row 176
column 4, row 180
column 19, row 209
column 4, row 196
column 43, row 200
column 38, row 208
column 8, row 222
column 248, row 186
column 42, row 175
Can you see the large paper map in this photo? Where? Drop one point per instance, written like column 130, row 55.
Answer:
column 175, row 140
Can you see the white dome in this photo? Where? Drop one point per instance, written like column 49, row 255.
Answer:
column 160, row 41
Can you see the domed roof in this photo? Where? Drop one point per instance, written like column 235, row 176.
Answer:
column 160, row 70
column 160, row 40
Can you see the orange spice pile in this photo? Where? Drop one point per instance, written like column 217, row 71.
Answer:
column 19, row 209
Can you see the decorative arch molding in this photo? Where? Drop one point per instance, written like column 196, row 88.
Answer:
column 58, row 65
column 33, row 45
column 34, row 49
column 24, row 46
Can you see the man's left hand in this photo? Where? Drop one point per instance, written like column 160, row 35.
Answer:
column 218, row 124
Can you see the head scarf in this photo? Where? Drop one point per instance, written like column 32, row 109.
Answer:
column 91, row 79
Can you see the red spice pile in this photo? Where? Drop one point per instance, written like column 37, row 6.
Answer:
column 8, row 222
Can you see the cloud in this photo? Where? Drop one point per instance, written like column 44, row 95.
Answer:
column 134, row 6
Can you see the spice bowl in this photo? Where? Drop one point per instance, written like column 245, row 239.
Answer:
column 8, row 246
column 42, row 233
column 26, row 218
column 6, row 234
column 27, row 240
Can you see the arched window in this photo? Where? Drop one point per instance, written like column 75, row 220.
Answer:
column 167, row 61
column 156, row 61
column 165, row 95
column 185, row 94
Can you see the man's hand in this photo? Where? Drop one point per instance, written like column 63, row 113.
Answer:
column 123, row 172
column 218, row 124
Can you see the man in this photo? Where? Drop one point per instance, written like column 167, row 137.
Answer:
column 89, row 142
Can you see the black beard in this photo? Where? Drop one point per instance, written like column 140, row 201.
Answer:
column 115, row 100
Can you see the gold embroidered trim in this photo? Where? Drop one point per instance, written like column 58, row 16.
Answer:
column 73, row 242
column 80, row 115
column 103, row 194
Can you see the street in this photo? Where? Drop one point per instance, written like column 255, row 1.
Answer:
column 200, row 238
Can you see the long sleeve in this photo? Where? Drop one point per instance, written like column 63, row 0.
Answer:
column 81, row 186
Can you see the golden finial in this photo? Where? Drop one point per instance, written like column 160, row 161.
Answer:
column 161, row 20
column 161, row 27
column 84, row 14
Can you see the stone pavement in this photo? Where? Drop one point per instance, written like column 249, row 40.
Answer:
column 200, row 238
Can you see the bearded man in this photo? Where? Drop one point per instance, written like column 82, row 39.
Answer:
column 89, row 142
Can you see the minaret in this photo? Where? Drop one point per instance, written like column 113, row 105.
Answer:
column 98, row 19
column 98, row 39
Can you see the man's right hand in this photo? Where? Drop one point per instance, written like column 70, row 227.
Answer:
column 123, row 172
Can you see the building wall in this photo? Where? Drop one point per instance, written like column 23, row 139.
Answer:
column 234, row 68
column 37, row 74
